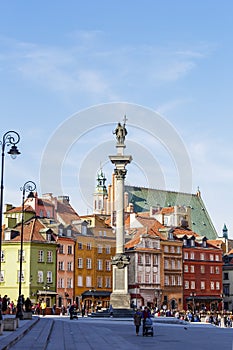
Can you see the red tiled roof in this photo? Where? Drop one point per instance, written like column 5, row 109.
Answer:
column 31, row 231
column 167, row 210
column 27, row 208
column 66, row 212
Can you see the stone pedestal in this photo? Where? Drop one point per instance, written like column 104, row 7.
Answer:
column 9, row 324
column 27, row 315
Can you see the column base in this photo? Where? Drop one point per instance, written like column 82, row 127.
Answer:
column 120, row 300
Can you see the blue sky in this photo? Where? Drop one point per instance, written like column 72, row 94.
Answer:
column 59, row 59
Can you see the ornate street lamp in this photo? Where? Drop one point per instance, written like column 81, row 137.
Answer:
column 9, row 138
column 29, row 186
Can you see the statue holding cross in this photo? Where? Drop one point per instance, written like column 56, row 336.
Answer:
column 121, row 132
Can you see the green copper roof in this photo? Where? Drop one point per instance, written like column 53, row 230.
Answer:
column 144, row 198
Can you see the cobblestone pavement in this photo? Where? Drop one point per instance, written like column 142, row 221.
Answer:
column 61, row 333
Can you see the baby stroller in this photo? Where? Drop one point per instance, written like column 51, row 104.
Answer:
column 148, row 327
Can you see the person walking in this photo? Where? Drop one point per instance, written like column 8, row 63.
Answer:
column 145, row 314
column 43, row 307
column 137, row 320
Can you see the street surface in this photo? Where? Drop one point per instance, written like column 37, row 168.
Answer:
column 105, row 334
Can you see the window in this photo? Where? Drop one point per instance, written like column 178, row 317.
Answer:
column 192, row 243
column 211, row 269
column 179, row 280
column 48, row 214
column 61, row 265
column 99, row 264
column 165, row 249
column 166, row 263
column 193, row 285
column 192, row 256
column 88, row 246
column 179, row 264
column 88, row 281
column 40, row 256
column 41, row 213
column 186, row 255
column 192, row 268
column 186, row 284
column 61, row 283
column 99, row 282
column 108, row 265
column 202, row 269
column 178, row 250
column 69, row 266
column 88, row 263
column 108, row 249
column 49, row 277
column 69, row 282
column 69, row 233
column 226, row 276
column 139, row 278
column 2, row 256
column 217, row 271
column 80, row 245
column 186, row 268
column 226, row 290
column 139, row 259
column 173, row 280
column 202, row 285
column 211, row 257
column 202, row 256
column 22, row 276
column 2, row 276
column 147, row 278
column 172, row 249
column 40, row 277
column 216, row 257
column 185, row 241
column 211, row 285
column 80, row 263
column 100, row 249
column 69, row 249
column 166, row 280
column 217, row 285
column 173, row 263
column 80, row 281
column 147, row 259
column 61, row 249
column 155, row 278
column 107, row 282
column 49, row 256
column 23, row 255
column 155, row 260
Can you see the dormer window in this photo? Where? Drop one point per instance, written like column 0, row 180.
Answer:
column 185, row 241
column 192, row 242
column 204, row 243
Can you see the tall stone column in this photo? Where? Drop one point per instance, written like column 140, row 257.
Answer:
column 120, row 298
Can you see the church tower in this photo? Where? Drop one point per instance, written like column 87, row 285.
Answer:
column 100, row 194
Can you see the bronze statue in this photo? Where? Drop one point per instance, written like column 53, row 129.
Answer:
column 120, row 133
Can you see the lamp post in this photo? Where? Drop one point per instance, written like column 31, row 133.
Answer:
column 29, row 186
column 192, row 295
column 9, row 138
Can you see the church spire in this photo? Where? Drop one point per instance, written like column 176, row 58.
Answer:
column 100, row 193
column 225, row 232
